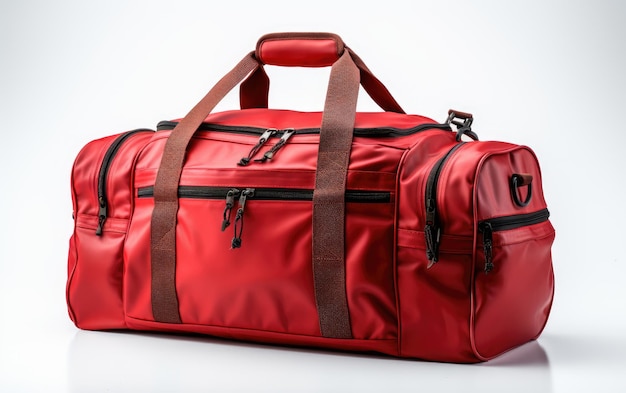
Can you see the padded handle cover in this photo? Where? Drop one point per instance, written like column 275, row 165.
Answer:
column 299, row 49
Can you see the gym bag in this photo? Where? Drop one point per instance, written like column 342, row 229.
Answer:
column 381, row 232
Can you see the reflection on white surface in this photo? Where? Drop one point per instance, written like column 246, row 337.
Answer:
column 104, row 361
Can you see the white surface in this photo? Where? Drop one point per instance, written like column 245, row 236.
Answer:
column 549, row 74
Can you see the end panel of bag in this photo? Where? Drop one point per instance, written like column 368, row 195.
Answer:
column 494, row 189
column 84, row 183
column 94, row 286
column 433, row 303
column 512, row 302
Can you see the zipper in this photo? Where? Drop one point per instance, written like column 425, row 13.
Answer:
column 367, row 132
column 268, row 194
column 230, row 202
column 286, row 134
column 104, row 171
column 283, row 140
column 432, row 229
column 262, row 140
column 487, row 227
column 231, row 194
column 238, row 227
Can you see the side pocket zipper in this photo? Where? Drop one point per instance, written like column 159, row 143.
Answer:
column 432, row 229
column 487, row 227
column 104, row 171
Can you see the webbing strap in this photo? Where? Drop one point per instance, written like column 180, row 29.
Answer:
column 163, row 225
column 329, row 264
column 328, row 197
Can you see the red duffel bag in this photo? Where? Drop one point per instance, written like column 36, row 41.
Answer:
column 380, row 232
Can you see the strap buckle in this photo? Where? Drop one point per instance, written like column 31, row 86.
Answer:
column 463, row 122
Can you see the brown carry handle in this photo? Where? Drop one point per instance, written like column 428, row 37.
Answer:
column 307, row 50
column 299, row 49
column 328, row 243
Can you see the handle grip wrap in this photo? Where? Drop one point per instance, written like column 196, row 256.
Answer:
column 299, row 49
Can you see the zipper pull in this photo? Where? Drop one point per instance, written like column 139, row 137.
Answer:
column 230, row 202
column 282, row 142
column 488, row 246
column 432, row 233
column 262, row 140
column 245, row 194
column 102, row 215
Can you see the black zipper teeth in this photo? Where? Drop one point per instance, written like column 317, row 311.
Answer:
column 268, row 194
column 433, row 177
column 487, row 227
column 104, row 171
column 108, row 158
column 371, row 132
column 432, row 229
column 516, row 221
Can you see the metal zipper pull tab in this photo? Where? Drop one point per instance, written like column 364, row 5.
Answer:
column 238, row 227
column 288, row 133
column 230, row 202
column 432, row 233
column 487, row 246
column 262, row 140
column 102, row 215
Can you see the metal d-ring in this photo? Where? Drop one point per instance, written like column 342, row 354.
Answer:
column 518, row 181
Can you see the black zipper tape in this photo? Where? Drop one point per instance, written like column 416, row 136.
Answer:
column 244, row 195
column 432, row 229
column 487, row 227
column 268, row 194
column 366, row 132
column 109, row 155
column 516, row 221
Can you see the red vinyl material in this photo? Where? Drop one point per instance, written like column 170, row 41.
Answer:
column 299, row 49
column 263, row 291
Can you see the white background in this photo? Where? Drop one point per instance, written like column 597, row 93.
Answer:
column 549, row 74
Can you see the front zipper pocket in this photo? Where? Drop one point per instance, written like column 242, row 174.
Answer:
column 242, row 195
column 266, row 284
column 488, row 227
column 104, row 171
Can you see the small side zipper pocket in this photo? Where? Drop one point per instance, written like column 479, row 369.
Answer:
column 487, row 227
column 512, row 303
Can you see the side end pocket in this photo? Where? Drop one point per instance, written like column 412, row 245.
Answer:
column 434, row 318
column 513, row 300
column 94, row 289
